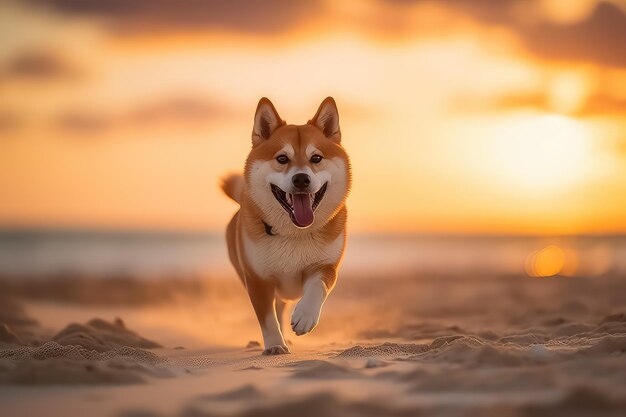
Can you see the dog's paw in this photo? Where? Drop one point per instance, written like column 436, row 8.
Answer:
column 304, row 318
column 276, row 350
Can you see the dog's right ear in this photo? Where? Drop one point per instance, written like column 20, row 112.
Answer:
column 266, row 121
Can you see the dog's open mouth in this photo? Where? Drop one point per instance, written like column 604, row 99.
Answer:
column 301, row 206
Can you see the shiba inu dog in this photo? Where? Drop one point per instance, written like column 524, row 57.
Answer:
column 288, row 237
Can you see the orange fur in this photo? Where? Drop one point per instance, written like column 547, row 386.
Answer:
column 232, row 186
column 293, row 262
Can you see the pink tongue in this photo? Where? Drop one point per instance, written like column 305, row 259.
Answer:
column 302, row 209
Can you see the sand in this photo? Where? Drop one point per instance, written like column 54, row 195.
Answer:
column 395, row 346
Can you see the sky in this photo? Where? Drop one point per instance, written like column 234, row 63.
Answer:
column 459, row 116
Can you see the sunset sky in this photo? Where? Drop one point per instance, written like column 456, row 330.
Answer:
column 460, row 116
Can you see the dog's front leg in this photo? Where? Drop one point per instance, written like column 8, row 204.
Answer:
column 315, row 289
column 262, row 295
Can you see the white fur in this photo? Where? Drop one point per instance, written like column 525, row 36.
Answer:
column 262, row 175
column 271, row 332
column 306, row 315
column 311, row 150
column 283, row 259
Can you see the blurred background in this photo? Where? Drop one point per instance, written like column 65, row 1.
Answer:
column 485, row 137
column 485, row 269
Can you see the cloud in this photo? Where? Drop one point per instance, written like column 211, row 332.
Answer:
column 598, row 38
column 39, row 65
column 9, row 121
column 604, row 104
column 594, row 105
column 163, row 15
column 179, row 111
column 84, row 122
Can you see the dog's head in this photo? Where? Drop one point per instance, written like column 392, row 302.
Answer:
column 297, row 175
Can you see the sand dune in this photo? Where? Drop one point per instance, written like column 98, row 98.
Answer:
column 95, row 353
column 508, row 346
column 101, row 336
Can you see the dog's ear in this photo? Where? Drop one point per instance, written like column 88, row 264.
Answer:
column 266, row 121
column 327, row 120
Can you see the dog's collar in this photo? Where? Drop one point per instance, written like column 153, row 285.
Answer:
column 268, row 229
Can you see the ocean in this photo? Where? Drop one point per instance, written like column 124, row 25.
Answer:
column 49, row 253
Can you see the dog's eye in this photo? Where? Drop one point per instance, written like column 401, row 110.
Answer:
column 282, row 159
column 316, row 159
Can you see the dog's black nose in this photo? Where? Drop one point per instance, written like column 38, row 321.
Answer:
column 301, row 181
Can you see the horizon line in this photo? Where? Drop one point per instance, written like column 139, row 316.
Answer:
column 199, row 232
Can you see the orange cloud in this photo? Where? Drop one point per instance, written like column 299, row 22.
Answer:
column 595, row 37
column 177, row 110
column 145, row 16
column 39, row 65
column 595, row 104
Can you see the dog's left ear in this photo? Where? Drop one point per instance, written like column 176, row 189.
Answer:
column 327, row 120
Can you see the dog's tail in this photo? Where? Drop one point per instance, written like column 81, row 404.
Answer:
column 232, row 185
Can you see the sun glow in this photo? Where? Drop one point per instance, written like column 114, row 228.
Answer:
column 454, row 122
column 541, row 152
column 568, row 92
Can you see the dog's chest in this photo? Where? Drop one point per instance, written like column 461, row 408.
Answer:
column 284, row 259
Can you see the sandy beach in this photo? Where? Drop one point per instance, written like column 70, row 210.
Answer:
column 441, row 345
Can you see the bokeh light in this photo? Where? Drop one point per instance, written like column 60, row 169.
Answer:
column 546, row 262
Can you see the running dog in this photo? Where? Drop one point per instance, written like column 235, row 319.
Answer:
column 287, row 239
